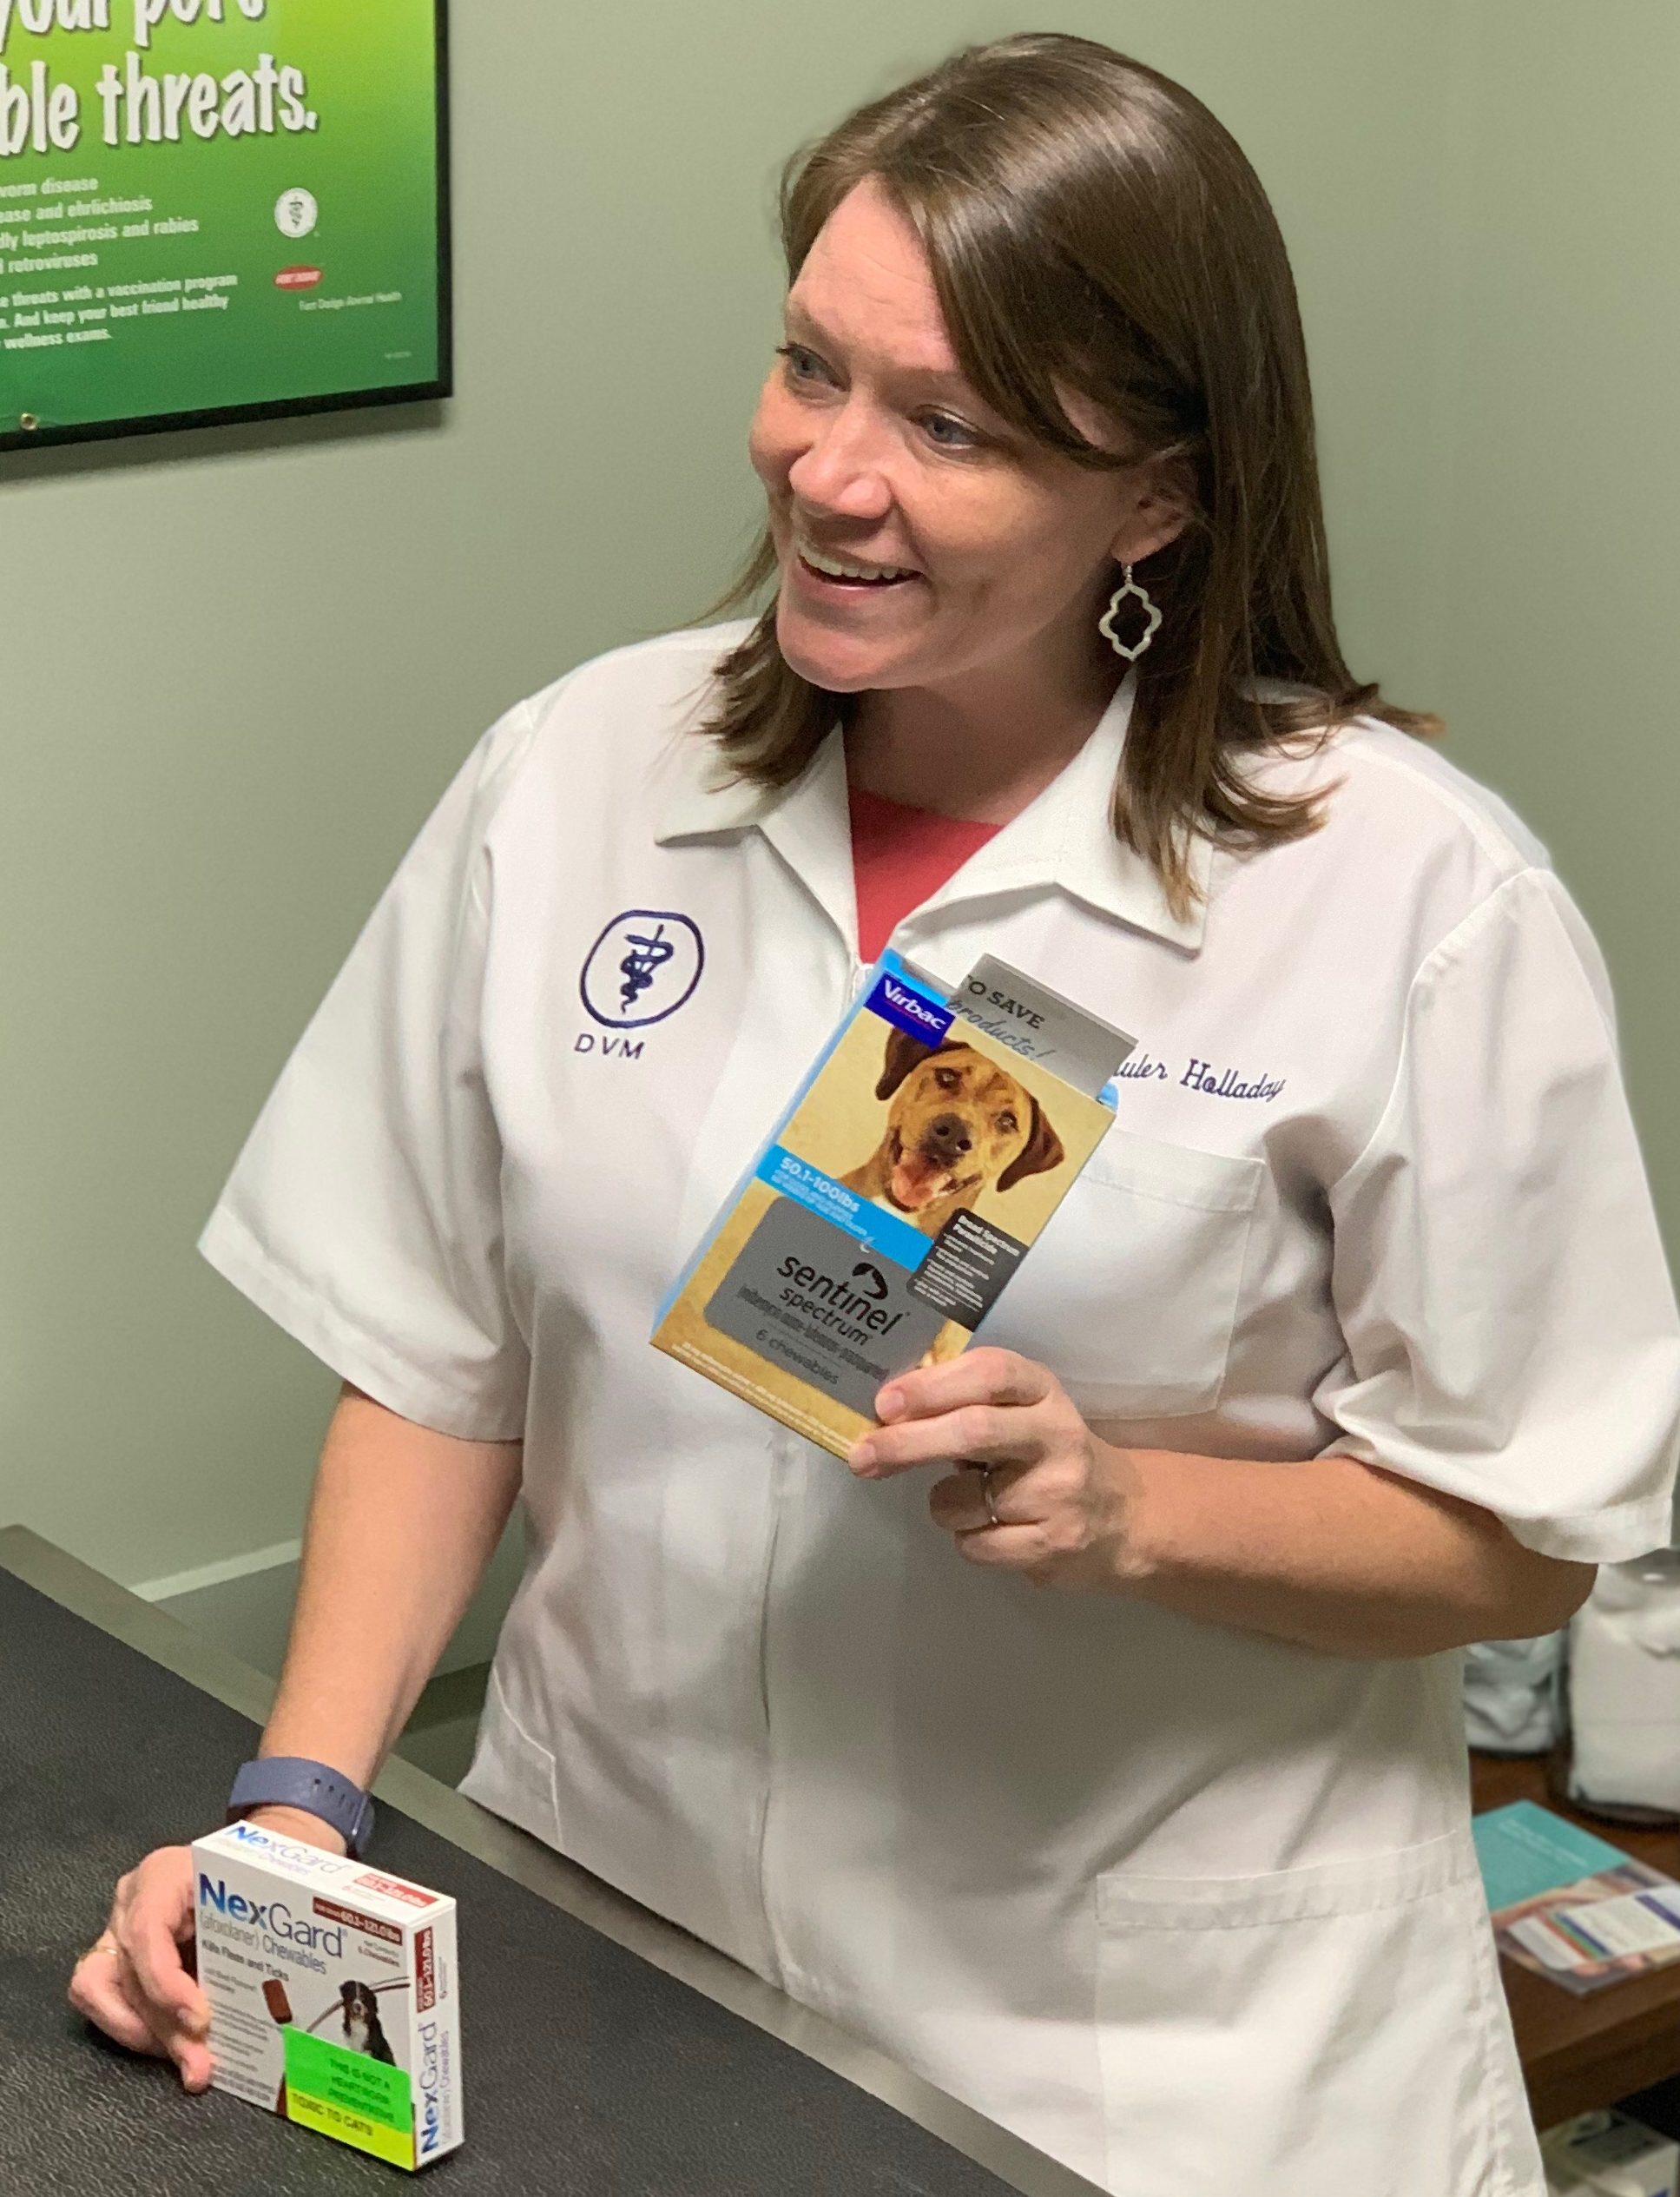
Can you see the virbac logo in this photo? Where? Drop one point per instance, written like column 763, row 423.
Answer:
column 644, row 966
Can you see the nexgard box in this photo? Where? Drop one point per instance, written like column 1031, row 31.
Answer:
column 333, row 1991
column 896, row 1196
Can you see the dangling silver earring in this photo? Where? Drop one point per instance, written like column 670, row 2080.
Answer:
column 1151, row 612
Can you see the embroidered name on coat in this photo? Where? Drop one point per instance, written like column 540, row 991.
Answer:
column 1202, row 1075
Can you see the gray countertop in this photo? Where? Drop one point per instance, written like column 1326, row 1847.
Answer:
column 605, row 2050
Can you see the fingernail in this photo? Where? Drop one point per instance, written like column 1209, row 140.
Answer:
column 890, row 1403
column 862, row 1458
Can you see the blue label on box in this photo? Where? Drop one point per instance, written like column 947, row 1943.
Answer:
column 910, row 1009
column 866, row 1223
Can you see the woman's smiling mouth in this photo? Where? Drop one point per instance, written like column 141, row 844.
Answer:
column 821, row 570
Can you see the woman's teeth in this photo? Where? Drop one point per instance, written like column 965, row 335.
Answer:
column 835, row 568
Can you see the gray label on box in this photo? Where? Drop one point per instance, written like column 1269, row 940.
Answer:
column 804, row 1295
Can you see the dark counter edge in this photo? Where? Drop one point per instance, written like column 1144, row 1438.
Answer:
column 163, row 1639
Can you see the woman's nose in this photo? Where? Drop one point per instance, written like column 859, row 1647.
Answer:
column 841, row 470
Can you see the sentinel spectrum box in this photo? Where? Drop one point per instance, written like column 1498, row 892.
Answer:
column 895, row 1196
column 333, row 1991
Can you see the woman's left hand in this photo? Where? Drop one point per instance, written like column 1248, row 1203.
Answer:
column 1064, row 1503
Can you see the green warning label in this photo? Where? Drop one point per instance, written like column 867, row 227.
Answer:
column 347, row 2095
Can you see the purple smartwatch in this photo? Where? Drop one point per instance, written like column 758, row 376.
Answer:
column 290, row 1781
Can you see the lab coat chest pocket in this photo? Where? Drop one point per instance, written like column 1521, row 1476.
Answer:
column 1310, row 2032
column 1131, row 1290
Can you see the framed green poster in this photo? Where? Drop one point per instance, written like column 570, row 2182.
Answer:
column 219, row 209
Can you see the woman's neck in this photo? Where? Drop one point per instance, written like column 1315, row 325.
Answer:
column 984, row 756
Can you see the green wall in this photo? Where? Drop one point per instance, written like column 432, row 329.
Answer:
column 236, row 669
column 1556, row 536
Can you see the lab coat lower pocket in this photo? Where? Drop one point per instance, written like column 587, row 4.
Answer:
column 1130, row 1294
column 1310, row 2032
column 513, row 1774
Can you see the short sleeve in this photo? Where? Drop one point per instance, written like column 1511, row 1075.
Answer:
column 1511, row 1331
column 364, row 1214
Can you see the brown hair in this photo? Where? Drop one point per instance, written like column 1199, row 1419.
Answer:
column 1088, row 221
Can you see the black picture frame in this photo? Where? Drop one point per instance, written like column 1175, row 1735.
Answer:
column 432, row 392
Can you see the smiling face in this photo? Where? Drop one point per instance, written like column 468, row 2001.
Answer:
column 873, row 449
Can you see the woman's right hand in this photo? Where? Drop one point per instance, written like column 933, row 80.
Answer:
column 402, row 1522
column 134, row 1981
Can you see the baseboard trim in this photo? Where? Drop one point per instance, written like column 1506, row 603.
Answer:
column 244, row 1603
column 179, row 1584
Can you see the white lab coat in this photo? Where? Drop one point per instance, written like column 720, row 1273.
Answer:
column 1193, row 1909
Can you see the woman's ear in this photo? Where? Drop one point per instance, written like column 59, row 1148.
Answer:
column 1161, row 506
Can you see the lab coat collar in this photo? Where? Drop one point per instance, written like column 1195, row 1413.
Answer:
column 807, row 821
column 1065, row 838
column 1062, row 838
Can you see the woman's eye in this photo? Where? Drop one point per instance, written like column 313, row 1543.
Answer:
column 969, row 440
column 793, row 353
column 945, row 432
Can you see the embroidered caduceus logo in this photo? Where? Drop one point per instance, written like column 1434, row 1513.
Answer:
column 647, row 956
column 645, row 965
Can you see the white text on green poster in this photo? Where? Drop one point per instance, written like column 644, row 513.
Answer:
column 215, row 206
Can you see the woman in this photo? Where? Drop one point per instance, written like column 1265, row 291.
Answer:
column 1352, row 1344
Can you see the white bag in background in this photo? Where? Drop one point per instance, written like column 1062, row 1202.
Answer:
column 1513, row 1694
column 1625, row 1685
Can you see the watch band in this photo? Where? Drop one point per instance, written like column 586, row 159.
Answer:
column 291, row 1781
